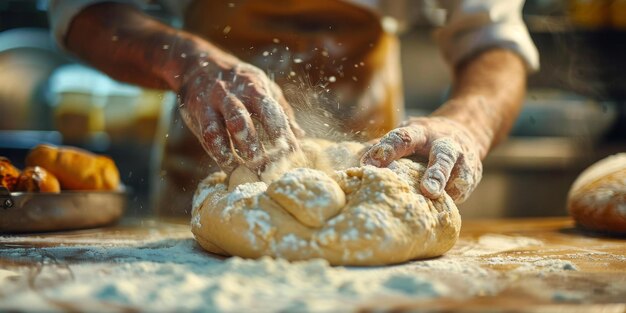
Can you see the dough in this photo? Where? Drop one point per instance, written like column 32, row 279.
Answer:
column 597, row 199
column 336, row 210
column 311, row 196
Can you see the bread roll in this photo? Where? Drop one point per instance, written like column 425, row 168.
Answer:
column 8, row 174
column 597, row 199
column 37, row 179
column 76, row 169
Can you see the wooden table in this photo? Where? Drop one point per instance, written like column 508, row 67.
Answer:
column 599, row 278
column 531, row 264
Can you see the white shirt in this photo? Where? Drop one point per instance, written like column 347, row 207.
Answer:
column 470, row 25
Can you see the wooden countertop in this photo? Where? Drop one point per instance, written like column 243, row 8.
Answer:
column 533, row 264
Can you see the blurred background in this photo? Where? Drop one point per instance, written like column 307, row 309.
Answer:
column 574, row 113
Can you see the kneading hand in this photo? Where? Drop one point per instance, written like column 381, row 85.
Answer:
column 219, row 100
column 453, row 154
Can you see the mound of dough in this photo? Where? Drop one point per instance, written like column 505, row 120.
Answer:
column 332, row 209
column 597, row 199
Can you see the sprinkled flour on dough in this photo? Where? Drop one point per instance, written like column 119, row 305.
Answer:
column 361, row 215
column 173, row 273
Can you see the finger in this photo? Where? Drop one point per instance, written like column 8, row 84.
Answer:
column 215, row 141
column 397, row 143
column 295, row 128
column 268, row 111
column 274, row 121
column 443, row 156
column 279, row 96
column 242, row 132
column 460, row 184
column 464, row 178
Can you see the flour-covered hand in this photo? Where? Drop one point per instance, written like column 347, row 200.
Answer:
column 453, row 154
column 221, row 98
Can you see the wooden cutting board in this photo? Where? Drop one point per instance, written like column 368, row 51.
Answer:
column 497, row 265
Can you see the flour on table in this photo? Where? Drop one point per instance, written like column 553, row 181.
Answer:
column 492, row 243
column 174, row 274
column 546, row 265
column 4, row 274
column 166, row 274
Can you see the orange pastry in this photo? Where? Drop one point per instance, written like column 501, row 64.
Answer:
column 76, row 169
column 8, row 174
column 37, row 179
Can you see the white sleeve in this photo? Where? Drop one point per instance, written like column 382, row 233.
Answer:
column 476, row 25
column 62, row 12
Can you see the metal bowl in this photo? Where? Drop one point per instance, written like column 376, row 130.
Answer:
column 37, row 212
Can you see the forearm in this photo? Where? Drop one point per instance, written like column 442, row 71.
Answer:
column 487, row 96
column 132, row 47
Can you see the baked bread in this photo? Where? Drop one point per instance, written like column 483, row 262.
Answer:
column 597, row 199
column 8, row 174
column 37, row 179
column 76, row 169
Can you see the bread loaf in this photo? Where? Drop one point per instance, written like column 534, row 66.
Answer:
column 8, row 174
column 76, row 169
column 37, row 179
column 597, row 199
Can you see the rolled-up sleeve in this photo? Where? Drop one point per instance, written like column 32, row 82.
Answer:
column 62, row 12
column 476, row 25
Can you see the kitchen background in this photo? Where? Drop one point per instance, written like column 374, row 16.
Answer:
column 575, row 110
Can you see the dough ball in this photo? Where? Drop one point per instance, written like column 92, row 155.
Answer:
column 597, row 199
column 361, row 215
column 241, row 175
column 277, row 168
column 311, row 196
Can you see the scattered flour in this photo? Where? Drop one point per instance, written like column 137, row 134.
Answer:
column 173, row 273
column 494, row 243
column 547, row 265
column 7, row 274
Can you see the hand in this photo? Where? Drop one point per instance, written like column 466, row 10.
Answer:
column 453, row 154
column 222, row 98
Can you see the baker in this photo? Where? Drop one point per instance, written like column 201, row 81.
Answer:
column 253, row 76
